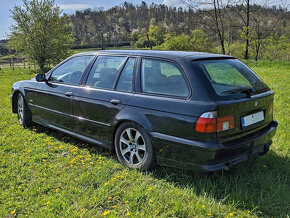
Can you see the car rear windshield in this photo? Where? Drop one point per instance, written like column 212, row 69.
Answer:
column 232, row 77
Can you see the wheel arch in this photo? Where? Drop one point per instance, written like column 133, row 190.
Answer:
column 129, row 116
column 14, row 99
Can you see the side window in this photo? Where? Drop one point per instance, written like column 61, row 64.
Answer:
column 105, row 71
column 162, row 77
column 71, row 71
column 125, row 82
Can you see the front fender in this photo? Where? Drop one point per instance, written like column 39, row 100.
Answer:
column 25, row 88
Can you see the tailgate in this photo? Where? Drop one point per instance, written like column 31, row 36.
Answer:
column 250, row 115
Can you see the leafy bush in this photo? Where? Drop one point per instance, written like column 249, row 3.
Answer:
column 197, row 40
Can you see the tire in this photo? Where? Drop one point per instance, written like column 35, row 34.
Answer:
column 23, row 113
column 133, row 147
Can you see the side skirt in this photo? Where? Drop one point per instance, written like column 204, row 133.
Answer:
column 45, row 123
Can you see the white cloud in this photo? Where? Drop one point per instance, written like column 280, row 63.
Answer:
column 177, row 3
column 73, row 7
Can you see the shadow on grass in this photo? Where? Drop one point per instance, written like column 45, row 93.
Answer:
column 262, row 185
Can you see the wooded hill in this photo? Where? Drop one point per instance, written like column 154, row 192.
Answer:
column 222, row 28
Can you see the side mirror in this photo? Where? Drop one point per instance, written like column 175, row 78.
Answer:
column 40, row 78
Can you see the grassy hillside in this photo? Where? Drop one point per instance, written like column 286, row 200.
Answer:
column 45, row 173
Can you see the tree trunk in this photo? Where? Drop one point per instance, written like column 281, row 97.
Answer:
column 41, row 67
column 220, row 29
column 223, row 46
column 247, row 30
column 150, row 44
column 257, row 51
column 41, row 64
column 102, row 41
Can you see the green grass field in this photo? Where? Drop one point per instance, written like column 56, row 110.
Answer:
column 46, row 173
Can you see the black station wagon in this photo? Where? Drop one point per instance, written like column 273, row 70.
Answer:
column 181, row 109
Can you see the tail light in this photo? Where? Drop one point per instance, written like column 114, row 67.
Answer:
column 225, row 123
column 209, row 122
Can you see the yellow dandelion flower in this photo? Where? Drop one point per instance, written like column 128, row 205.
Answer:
column 109, row 197
column 203, row 206
column 128, row 214
column 150, row 201
column 126, row 202
column 231, row 214
column 43, row 160
column 60, row 147
column 114, row 206
column 149, row 188
column 156, row 211
column 57, row 189
column 209, row 214
column 83, row 210
column 249, row 211
column 29, row 151
column 12, row 212
column 47, row 203
column 106, row 213
column 106, row 184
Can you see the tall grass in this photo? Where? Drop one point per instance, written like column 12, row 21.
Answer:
column 46, row 173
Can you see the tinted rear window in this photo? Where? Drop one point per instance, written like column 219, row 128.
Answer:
column 231, row 76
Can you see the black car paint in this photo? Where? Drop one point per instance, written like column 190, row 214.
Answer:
column 90, row 114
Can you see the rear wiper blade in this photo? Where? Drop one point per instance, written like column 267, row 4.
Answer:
column 247, row 91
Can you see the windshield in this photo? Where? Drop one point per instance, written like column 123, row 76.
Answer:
column 231, row 76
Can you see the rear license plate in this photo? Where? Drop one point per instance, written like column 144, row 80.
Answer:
column 252, row 119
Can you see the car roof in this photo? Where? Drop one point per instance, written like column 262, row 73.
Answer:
column 160, row 53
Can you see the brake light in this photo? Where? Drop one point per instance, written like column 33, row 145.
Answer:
column 209, row 122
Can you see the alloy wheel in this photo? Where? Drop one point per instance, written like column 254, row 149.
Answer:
column 132, row 146
column 20, row 109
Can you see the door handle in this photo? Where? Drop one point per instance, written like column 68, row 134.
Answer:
column 68, row 94
column 115, row 101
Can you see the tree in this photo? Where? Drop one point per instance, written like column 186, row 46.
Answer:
column 213, row 18
column 154, row 36
column 40, row 32
column 3, row 50
column 197, row 40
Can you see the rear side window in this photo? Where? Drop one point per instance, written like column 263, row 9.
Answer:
column 125, row 82
column 231, row 76
column 162, row 77
column 105, row 71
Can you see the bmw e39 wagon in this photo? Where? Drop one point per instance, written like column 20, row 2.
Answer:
column 188, row 110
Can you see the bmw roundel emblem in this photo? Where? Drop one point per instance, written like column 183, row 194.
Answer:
column 256, row 103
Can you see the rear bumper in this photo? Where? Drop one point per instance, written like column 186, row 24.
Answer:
column 212, row 156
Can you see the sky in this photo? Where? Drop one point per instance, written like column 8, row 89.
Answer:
column 69, row 6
